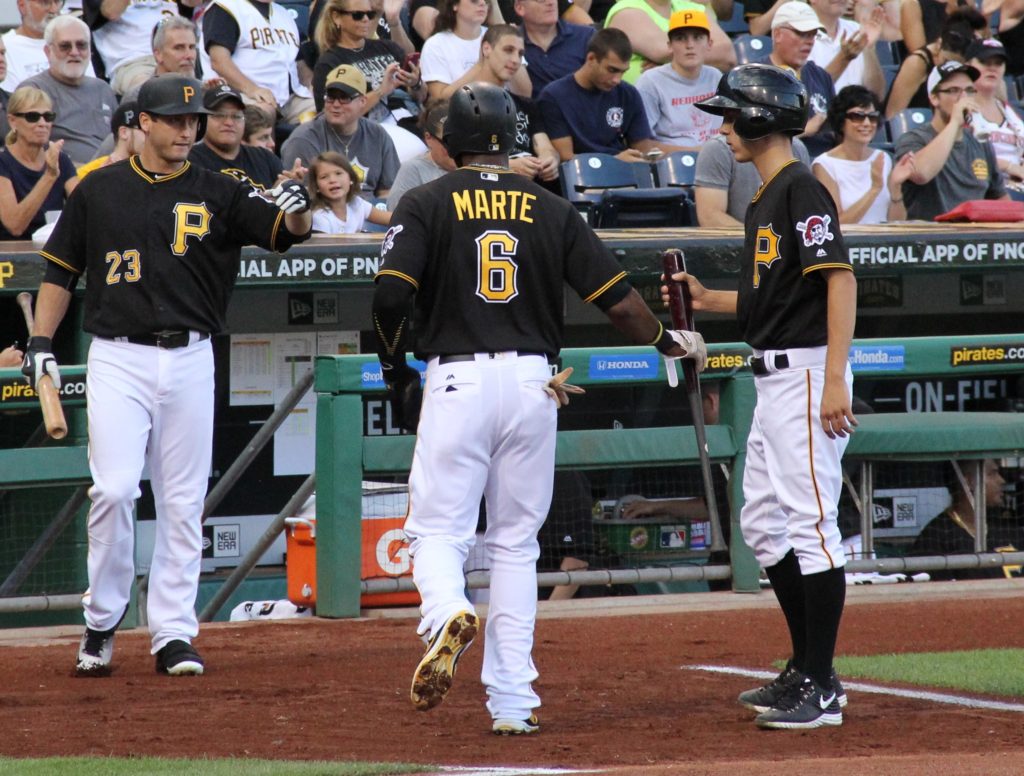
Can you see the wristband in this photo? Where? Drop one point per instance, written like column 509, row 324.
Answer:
column 665, row 343
column 39, row 344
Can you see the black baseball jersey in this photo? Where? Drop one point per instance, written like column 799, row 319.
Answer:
column 489, row 253
column 254, row 165
column 161, row 252
column 791, row 232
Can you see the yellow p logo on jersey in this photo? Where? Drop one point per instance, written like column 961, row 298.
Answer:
column 766, row 250
column 190, row 220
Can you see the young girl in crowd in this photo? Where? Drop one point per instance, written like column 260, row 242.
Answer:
column 334, row 189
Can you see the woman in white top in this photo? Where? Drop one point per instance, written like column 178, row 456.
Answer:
column 334, row 196
column 862, row 180
column 454, row 47
column 996, row 121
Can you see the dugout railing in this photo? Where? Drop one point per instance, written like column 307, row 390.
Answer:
column 341, row 381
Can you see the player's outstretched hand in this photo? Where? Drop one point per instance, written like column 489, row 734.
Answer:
column 290, row 197
column 39, row 362
column 837, row 417
column 559, row 390
column 405, row 395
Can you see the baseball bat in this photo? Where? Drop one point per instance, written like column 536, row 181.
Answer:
column 680, row 307
column 49, row 399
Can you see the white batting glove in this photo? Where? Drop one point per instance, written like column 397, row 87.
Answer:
column 39, row 362
column 559, row 390
column 290, row 197
column 693, row 347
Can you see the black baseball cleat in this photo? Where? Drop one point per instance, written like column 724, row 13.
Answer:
column 178, row 658
column 96, row 650
column 433, row 677
column 807, row 705
column 760, row 699
column 95, row 653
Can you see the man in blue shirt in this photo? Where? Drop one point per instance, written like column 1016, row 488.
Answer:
column 593, row 111
column 554, row 48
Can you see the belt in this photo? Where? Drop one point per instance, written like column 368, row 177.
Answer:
column 168, row 340
column 451, row 359
column 759, row 366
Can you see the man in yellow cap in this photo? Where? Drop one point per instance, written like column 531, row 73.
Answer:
column 670, row 91
column 342, row 127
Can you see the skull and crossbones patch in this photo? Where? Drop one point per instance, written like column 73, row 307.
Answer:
column 815, row 230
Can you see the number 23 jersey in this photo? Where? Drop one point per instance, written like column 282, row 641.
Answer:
column 160, row 252
column 489, row 253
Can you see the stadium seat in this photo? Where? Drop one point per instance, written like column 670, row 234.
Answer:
column 1013, row 94
column 750, row 48
column 888, row 53
column 676, row 169
column 586, row 177
column 907, row 119
column 637, row 208
column 736, row 24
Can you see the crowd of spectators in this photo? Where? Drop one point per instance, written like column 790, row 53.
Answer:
column 357, row 89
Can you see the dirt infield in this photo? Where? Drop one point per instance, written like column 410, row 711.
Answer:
column 615, row 693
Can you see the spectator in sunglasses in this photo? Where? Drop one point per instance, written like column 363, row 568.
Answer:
column 253, row 46
column 84, row 105
column 36, row 176
column 861, row 179
column 344, row 36
column 24, row 44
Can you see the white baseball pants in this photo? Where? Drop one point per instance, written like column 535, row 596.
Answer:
column 486, row 428
column 792, row 477
column 148, row 403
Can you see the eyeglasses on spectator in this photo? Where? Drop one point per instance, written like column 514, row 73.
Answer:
column 33, row 116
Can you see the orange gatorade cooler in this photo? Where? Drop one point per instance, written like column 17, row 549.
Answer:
column 385, row 551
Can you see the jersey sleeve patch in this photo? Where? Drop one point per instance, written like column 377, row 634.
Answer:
column 815, row 230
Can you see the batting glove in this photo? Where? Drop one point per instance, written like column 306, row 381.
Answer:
column 559, row 390
column 39, row 362
column 290, row 197
column 692, row 345
column 405, row 394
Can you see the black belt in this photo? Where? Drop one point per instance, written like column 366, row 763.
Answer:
column 168, row 340
column 451, row 359
column 760, row 367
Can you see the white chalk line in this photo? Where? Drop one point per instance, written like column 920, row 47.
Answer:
column 921, row 695
column 501, row 770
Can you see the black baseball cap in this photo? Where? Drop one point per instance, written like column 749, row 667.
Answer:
column 218, row 94
column 125, row 115
column 986, row 49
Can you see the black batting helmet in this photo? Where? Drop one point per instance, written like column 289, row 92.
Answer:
column 769, row 100
column 173, row 95
column 481, row 120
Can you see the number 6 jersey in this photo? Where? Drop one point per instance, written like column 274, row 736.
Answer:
column 488, row 253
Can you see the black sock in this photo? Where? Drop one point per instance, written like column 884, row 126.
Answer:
column 788, row 584
column 825, row 594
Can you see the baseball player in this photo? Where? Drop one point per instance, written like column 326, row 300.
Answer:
column 486, row 254
column 796, row 305
column 160, row 240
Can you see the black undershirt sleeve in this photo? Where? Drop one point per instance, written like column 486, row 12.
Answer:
column 392, row 307
column 60, row 276
column 613, row 295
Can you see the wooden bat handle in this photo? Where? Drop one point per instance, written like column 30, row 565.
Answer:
column 49, row 399
column 25, row 303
